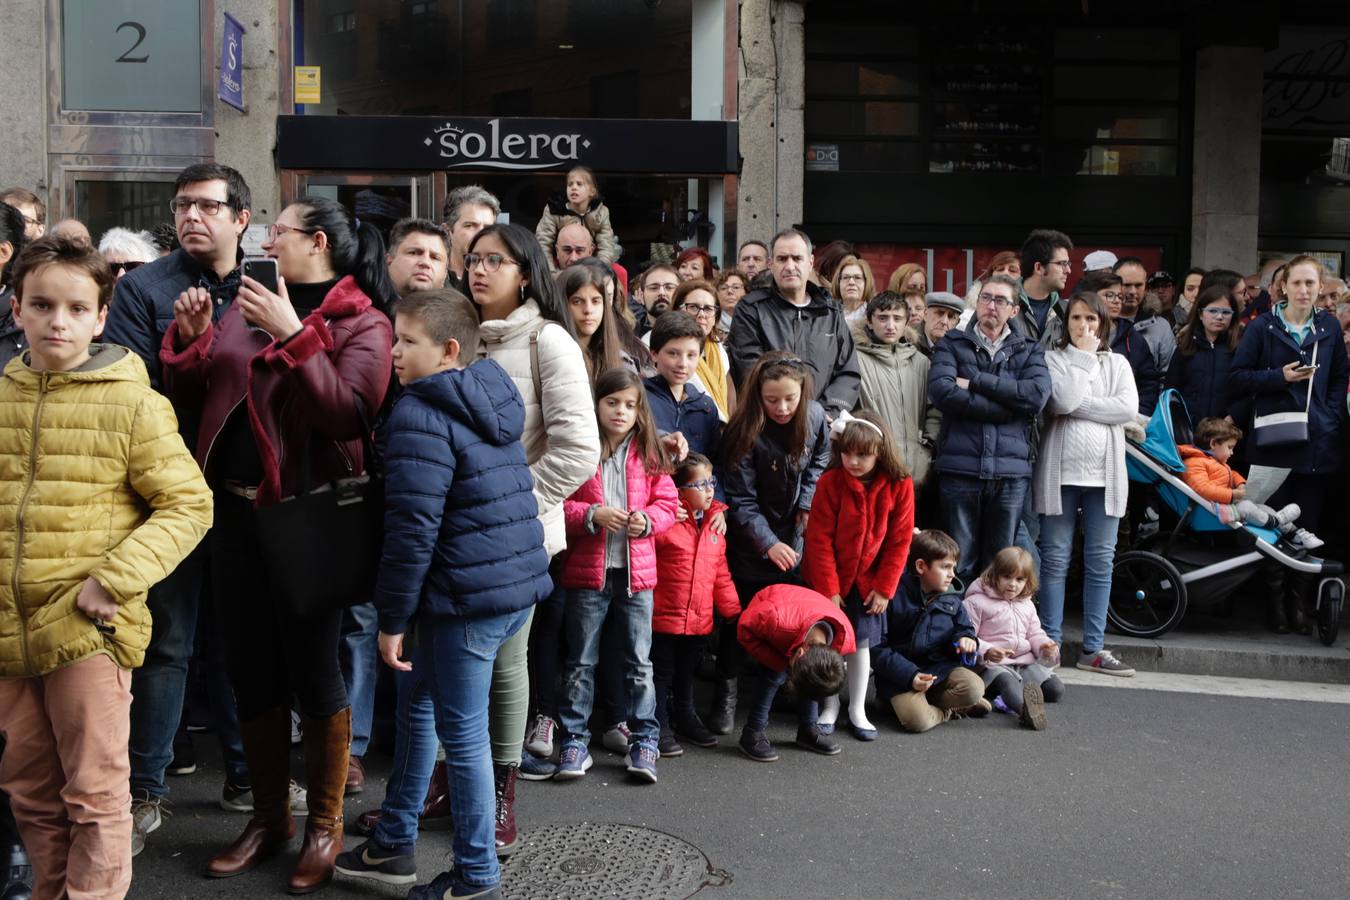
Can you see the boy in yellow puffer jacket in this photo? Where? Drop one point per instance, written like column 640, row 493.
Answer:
column 99, row 499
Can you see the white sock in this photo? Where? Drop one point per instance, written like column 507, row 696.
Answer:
column 859, row 670
column 829, row 710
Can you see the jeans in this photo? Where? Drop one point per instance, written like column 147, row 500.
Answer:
column 158, row 686
column 358, row 654
column 765, row 684
column 456, row 656
column 584, row 627
column 415, row 746
column 1029, row 531
column 1099, row 549
column 982, row 517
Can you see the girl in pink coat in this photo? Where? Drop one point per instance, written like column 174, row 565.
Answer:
column 610, row 570
column 1017, row 658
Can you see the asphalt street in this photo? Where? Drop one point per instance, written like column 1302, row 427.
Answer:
column 1224, row 789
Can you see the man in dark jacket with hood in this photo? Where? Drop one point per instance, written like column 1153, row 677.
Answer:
column 795, row 315
column 990, row 383
column 211, row 210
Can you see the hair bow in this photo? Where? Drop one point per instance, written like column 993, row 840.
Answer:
column 842, row 421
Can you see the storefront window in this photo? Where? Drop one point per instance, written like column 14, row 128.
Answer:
column 583, row 59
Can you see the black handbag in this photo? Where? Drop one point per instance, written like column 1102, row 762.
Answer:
column 322, row 546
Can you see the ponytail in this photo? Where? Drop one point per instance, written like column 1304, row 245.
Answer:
column 355, row 248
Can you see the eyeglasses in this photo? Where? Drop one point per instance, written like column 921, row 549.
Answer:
column 207, row 206
column 668, row 286
column 277, row 229
column 1221, row 312
column 491, row 262
column 1065, row 264
column 996, row 301
column 706, row 484
column 1109, row 296
column 843, row 278
column 30, row 221
column 127, row 266
column 696, row 309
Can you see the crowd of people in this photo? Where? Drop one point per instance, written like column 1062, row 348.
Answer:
column 789, row 473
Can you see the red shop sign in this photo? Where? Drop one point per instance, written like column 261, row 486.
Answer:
column 953, row 268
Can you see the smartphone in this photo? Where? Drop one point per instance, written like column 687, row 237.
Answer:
column 263, row 271
column 1308, row 368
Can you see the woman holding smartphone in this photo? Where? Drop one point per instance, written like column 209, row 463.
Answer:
column 1291, row 360
column 287, row 379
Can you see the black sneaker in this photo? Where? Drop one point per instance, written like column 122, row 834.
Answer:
column 756, row 746
column 669, row 746
column 811, row 739
column 448, row 885
column 370, row 860
column 693, row 731
column 184, row 760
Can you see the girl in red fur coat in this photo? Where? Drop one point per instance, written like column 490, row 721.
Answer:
column 857, row 544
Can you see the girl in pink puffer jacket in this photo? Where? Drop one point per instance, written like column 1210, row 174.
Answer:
column 1017, row 658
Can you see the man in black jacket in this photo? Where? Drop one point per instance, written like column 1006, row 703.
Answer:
column 211, row 210
column 793, row 314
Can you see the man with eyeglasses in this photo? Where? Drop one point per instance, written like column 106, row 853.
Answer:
column 794, row 314
column 1045, row 272
column 31, row 207
column 990, row 382
column 1125, row 338
column 1156, row 330
column 211, row 210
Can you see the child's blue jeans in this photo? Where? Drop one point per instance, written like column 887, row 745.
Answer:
column 583, row 625
column 765, row 684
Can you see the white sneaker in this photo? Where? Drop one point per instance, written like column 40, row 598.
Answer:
column 617, row 739
column 233, row 799
column 1102, row 661
column 1288, row 514
column 146, row 816
column 1304, row 538
column 540, row 740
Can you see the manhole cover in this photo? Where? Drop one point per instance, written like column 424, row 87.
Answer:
column 604, row 860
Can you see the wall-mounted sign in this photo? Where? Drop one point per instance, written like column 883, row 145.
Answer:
column 822, row 157
column 307, row 84
column 131, row 55
column 520, row 145
column 231, row 87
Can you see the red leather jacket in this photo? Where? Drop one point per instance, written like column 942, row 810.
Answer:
column 303, row 388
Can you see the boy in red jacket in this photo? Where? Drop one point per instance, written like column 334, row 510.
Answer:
column 692, row 578
column 796, row 635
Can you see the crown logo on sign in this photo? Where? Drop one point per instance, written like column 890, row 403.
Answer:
column 447, row 127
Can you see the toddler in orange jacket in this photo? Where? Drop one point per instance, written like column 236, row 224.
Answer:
column 1209, row 475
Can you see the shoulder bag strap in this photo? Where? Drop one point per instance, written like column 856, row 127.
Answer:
column 1307, row 405
column 534, row 365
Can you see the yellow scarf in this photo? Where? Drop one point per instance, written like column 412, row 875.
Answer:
column 712, row 372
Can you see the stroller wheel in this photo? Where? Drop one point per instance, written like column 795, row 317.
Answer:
column 1330, row 600
column 1148, row 597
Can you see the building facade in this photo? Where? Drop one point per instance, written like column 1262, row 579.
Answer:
column 1188, row 132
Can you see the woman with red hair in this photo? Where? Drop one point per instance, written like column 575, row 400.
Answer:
column 695, row 264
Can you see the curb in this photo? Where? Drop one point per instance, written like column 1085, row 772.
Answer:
column 1276, row 657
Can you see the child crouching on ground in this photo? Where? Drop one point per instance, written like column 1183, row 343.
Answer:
column 798, row 636
column 102, row 500
column 692, row 578
column 920, row 669
column 1018, row 655
column 1208, row 474
column 463, row 566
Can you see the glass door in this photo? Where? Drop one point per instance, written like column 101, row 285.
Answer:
column 379, row 199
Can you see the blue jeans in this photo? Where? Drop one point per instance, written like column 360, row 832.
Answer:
column 358, row 654
column 1029, row 530
column 982, row 517
column 583, row 626
column 158, row 686
column 456, row 657
column 414, row 759
column 1099, row 550
column 765, row 684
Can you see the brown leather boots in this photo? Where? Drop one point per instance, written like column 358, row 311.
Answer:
column 267, row 748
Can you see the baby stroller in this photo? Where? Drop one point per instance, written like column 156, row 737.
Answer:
column 1152, row 581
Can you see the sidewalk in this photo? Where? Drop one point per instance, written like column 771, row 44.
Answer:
column 1240, row 647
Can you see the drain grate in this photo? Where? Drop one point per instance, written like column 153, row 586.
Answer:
column 591, row 859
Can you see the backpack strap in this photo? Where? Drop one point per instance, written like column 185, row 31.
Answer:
column 534, row 365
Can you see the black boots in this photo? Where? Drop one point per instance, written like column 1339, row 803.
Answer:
column 723, row 707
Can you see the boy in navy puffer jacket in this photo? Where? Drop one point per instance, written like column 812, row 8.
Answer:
column 464, row 554
column 919, row 669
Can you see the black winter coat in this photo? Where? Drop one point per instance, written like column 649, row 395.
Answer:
column 1202, row 379
column 1266, row 347
column 1147, row 378
column 817, row 333
column 920, row 637
column 766, row 490
column 988, row 428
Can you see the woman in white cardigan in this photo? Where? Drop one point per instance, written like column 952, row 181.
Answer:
column 526, row 329
column 1081, row 466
